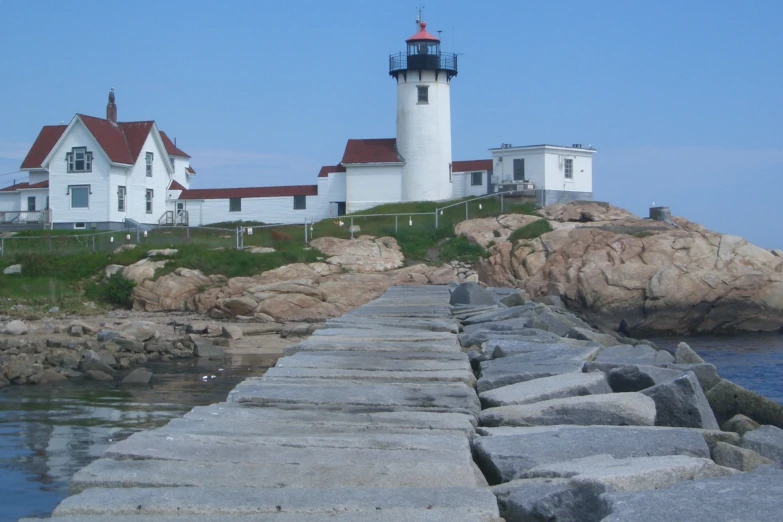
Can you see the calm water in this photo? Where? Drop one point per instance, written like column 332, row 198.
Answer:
column 47, row 433
column 754, row 362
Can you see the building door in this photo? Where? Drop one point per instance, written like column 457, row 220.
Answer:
column 31, row 203
column 341, row 208
column 180, row 206
column 519, row 169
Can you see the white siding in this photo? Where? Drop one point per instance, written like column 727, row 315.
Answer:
column 139, row 183
column 10, row 202
column 119, row 177
column 39, row 195
column 60, row 179
column 424, row 136
column 463, row 183
column 458, row 185
column 582, row 173
column 534, row 165
column 368, row 186
column 36, row 176
column 180, row 174
column 331, row 190
column 266, row 210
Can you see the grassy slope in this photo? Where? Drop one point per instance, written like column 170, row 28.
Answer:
column 60, row 280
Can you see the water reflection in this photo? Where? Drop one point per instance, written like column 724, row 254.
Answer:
column 47, row 433
column 754, row 361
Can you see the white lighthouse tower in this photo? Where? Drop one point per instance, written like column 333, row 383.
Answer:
column 423, row 75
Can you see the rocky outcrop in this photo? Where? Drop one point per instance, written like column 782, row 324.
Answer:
column 364, row 254
column 492, row 229
column 609, row 265
column 297, row 292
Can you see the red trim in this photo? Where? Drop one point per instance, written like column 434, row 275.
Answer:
column 250, row 192
column 422, row 35
column 328, row 169
column 172, row 149
column 26, row 186
column 371, row 151
column 42, row 145
column 471, row 165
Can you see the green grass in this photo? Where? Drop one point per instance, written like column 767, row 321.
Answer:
column 531, row 230
column 62, row 268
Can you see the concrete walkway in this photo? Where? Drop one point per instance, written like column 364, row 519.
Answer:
column 369, row 419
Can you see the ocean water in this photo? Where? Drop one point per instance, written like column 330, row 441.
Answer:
column 49, row 432
column 754, row 361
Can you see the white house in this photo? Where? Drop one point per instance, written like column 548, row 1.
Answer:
column 99, row 173
column 556, row 174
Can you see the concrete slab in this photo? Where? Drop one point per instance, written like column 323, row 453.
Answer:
column 187, row 502
column 506, row 371
column 452, row 398
column 292, row 468
column 555, row 387
column 347, row 345
column 432, row 376
column 389, row 361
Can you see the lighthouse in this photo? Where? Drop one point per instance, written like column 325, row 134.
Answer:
column 423, row 74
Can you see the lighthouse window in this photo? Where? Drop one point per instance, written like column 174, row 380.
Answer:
column 569, row 168
column 424, row 95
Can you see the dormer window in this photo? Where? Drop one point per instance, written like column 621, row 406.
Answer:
column 171, row 160
column 79, row 160
column 149, row 164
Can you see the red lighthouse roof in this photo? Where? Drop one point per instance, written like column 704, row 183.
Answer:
column 422, row 35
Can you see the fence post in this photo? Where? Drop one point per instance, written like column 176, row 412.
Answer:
column 93, row 242
column 501, row 202
column 187, row 234
column 466, row 211
column 395, row 223
column 305, row 225
column 351, row 227
column 436, row 217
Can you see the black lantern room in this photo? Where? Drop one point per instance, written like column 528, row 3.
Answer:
column 423, row 54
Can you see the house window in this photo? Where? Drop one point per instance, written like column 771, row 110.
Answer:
column 31, row 203
column 121, row 199
column 300, row 202
column 80, row 196
column 80, row 226
column 79, row 160
column 149, row 164
column 569, row 168
column 519, row 169
column 235, row 205
column 171, row 160
column 148, row 200
column 476, row 179
column 424, row 94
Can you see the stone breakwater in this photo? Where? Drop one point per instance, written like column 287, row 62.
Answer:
column 410, row 409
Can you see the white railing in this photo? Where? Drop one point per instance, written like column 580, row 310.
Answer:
column 21, row 217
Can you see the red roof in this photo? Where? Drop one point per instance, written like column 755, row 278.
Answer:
column 176, row 185
column 25, row 185
column 328, row 169
column 122, row 141
column 371, row 151
column 422, row 35
column 190, row 171
column 250, row 192
column 43, row 144
column 471, row 165
column 172, row 149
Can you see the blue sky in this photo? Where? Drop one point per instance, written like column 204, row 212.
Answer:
column 682, row 99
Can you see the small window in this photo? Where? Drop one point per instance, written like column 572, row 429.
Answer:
column 149, row 164
column 80, row 226
column 235, row 205
column 450, row 172
column 121, row 192
column 569, row 168
column 80, row 196
column 171, row 160
column 148, row 200
column 476, row 179
column 519, row 169
column 79, row 160
column 31, row 203
column 424, row 95
column 300, row 202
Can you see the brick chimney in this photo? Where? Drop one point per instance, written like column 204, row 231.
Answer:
column 111, row 108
